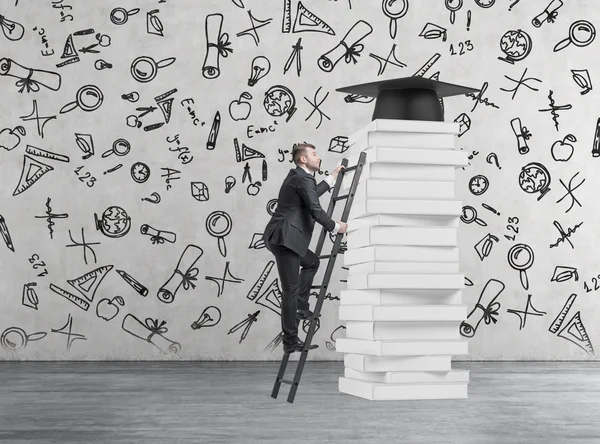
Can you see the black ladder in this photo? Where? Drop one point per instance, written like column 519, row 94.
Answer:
column 323, row 287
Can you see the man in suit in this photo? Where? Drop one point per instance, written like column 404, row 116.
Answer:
column 288, row 235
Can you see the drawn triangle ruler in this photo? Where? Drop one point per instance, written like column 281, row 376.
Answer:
column 307, row 21
column 166, row 106
column 88, row 283
column 246, row 152
column 69, row 50
column 272, row 295
column 80, row 302
column 32, row 170
column 575, row 332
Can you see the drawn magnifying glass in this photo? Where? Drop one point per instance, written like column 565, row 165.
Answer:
column 586, row 31
column 213, row 219
column 520, row 257
column 453, row 6
column 88, row 98
column 119, row 16
column 144, row 69
column 469, row 215
column 15, row 338
column 120, row 147
column 394, row 9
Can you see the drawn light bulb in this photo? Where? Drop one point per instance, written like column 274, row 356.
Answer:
column 209, row 318
column 229, row 183
column 12, row 30
column 260, row 68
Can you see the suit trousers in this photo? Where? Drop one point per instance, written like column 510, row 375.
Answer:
column 294, row 286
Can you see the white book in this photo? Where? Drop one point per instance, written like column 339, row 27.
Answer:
column 387, row 154
column 416, row 236
column 366, row 207
column 399, row 171
column 403, row 330
column 400, row 253
column 368, row 363
column 375, row 391
column 401, row 348
column 400, row 313
column 404, row 281
column 405, row 126
column 400, row 297
column 402, row 221
column 404, row 189
column 403, row 140
column 409, row 377
column 404, row 267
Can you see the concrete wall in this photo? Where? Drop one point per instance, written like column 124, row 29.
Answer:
column 98, row 238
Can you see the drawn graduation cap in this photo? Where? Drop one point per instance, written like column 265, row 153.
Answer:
column 408, row 98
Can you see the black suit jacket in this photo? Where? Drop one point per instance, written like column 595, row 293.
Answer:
column 297, row 210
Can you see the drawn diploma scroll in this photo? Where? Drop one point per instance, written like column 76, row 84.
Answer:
column 216, row 46
column 29, row 78
column 348, row 48
column 150, row 331
column 490, row 292
column 184, row 274
column 549, row 14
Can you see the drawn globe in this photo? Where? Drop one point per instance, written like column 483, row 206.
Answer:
column 278, row 101
column 114, row 222
column 516, row 44
column 533, row 178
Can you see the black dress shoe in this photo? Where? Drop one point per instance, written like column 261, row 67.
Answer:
column 297, row 346
column 304, row 314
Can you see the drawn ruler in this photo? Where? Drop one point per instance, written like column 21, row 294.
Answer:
column 562, row 315
column 259, row 283
column 286, row 24
column 83, row 304
column 434, row 58
column 35, row 151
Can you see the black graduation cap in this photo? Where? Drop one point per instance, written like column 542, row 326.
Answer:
column 408, row 98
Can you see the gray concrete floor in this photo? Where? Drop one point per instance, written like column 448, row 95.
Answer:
column 230, row 402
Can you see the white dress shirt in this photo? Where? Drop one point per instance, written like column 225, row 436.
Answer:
column 331, row 182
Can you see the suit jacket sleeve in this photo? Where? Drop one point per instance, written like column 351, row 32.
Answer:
column 307, row 189
column 325, row 185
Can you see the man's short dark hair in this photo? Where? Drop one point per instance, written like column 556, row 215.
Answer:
column 299, row 149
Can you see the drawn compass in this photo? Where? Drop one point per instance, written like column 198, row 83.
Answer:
column 140, row 172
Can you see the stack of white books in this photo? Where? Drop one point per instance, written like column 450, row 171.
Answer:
column 403, row 305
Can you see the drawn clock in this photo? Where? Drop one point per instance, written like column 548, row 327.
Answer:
column 140, row 172
column 478, row 185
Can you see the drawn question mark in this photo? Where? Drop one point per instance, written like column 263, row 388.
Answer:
column 493, row 156
column 155, row 200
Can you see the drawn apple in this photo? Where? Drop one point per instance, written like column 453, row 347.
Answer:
column 107, row 310
column 239, row 109
column 561, row 151
column 9, row 139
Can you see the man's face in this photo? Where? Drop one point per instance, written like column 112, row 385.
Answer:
column 312, row 160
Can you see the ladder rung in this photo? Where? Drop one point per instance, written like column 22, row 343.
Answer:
column 287, row 381
column 353, row 167
column 344, row 196
column 324, row 256
column 318, row 286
